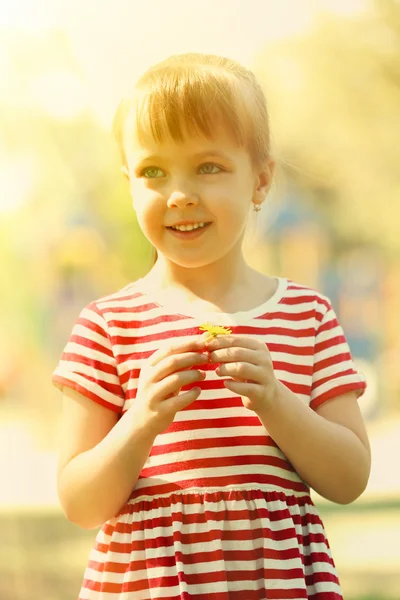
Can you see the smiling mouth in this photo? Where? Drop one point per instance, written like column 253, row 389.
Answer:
column 189, row 227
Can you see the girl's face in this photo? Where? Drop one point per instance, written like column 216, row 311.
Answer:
column 208, row 184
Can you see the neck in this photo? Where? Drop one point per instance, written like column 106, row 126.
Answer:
column 211, row 282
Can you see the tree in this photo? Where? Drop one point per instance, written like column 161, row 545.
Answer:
column 334, row 99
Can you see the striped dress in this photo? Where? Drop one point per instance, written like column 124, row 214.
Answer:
column 218, row 512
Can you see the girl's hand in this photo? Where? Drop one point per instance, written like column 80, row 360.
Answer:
column 161, row 380
column 248, row 362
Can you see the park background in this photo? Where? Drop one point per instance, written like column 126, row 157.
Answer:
column 68, row 234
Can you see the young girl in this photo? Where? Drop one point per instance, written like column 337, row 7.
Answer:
column 196, row 453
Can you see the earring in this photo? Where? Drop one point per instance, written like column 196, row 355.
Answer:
column 257, row 207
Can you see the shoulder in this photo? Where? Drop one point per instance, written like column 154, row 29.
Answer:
column 124, row 294
column 110, row 313
column 130, row 298
column 305, row 298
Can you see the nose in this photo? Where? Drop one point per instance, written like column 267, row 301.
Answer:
column 182, row 199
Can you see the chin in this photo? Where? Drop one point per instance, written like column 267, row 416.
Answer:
column 193, row 262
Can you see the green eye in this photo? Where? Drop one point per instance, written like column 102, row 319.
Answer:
column 210, row 169
column 152, row 173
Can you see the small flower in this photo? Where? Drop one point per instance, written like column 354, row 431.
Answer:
column 214, row 330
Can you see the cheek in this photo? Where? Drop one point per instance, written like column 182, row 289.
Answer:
column 235, row 208
column 145, row 201
column 151, row 216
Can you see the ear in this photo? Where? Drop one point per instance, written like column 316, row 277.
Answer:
column 264, row 177
column 125, row 172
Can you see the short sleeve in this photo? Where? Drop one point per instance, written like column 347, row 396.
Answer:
column 87, row 364
column 334, row 371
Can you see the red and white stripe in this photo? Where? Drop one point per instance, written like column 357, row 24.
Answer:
column 217, row 511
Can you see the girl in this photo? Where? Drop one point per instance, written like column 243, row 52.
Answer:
column 197, row 455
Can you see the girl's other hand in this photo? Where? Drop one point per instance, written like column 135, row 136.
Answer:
column 248, row 362
column 168, row 370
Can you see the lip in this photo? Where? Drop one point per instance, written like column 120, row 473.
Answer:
column 188, row 235
column 187, row 223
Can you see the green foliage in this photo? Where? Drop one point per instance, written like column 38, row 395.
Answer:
column 334, row 99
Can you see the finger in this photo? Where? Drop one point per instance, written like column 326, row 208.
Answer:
column 241, row 371
column 183, row 400
column 243, row 388
column 195, row 344
column 176, row 363
column 225, row 355
column 230, row 341
column 171, row 385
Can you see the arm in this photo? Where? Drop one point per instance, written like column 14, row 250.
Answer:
column 100, row 460
column 329, row 447
column 101, row 457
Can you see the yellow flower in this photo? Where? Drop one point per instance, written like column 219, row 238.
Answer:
column 214, row 330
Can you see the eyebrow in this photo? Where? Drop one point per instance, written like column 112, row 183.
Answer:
column 145, row 157
column 213, row 152
column 197, row 156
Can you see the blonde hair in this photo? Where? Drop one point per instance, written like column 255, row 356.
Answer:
column 191, row 93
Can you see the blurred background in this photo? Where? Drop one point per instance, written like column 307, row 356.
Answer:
column 68, row 234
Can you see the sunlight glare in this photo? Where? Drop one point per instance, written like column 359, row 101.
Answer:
column 62, row 95
column 23, row 14
column 17, row 182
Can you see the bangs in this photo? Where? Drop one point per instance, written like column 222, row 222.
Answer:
column 178, row 105
column 195, row 95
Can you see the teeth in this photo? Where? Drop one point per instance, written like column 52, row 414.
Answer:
column 189, row 227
